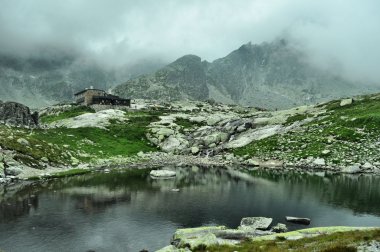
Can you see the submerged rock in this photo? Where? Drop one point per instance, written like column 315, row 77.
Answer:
column 298, row 220
column 162, row 174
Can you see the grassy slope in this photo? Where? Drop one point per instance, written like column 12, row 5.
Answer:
column 75, row 111
column 336, row 242
column 59, row 144
column 342, row 130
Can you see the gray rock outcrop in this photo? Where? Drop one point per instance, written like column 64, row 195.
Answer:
column 17, row 114
column 279, row 228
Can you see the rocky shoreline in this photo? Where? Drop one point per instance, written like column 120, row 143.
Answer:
column 200, row 238
column 203, row 134
column 161, row 159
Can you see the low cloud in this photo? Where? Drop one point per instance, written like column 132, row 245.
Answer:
column 336, row 35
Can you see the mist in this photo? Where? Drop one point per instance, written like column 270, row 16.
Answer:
column 341, row 36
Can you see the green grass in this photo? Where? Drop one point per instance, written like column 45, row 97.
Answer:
column 59, row 145
column 340, row 130
column 75, row 111
column 296, row 118
column 37, row 148
column 336, row 242
column 187, row 124
column 119, row 138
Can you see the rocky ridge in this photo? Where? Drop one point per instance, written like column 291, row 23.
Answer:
column 338, row 136
column 269, row 75
column 200, row 238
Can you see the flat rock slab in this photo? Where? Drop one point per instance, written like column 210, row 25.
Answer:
column 298, row 220
column 239, row 234
column 310, row 232
column 253, row 223
column 193, row 237
column 162, row 174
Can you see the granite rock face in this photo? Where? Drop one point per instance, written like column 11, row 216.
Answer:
column 17, row 114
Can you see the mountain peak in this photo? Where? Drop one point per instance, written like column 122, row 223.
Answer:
column 268, row 75
column 188, row 59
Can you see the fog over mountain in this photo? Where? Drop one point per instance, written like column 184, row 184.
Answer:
column 49, row 47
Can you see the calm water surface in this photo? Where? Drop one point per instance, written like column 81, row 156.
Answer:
column 129, row 211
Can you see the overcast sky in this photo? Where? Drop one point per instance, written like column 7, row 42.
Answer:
column 115, row 32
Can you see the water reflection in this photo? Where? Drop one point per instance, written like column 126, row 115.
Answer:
column 10, row 210
column 129, row 211
column 360, row 193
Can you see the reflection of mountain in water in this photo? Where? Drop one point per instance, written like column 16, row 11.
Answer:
column 359, row 193
column 17, row 208
column 206, row 194
column 129, row 211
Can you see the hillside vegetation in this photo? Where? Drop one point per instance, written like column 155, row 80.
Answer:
column 341, row 135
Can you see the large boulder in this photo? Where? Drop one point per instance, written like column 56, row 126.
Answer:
column 16, row 114
column 351, row 169
column 174, row 143
column 193, row 237
column 13, row 171
column 346, row 102
column 253, row 134
column 253, row 223
column 319, row 162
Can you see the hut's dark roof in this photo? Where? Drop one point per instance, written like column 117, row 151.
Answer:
column 85, row 90
column 110, row 97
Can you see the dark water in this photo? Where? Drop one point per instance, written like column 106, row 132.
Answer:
column 128, row 211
